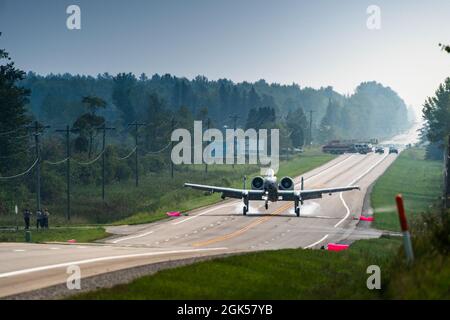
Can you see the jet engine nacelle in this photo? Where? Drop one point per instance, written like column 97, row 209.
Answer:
column 257, row 183
column 286, row 184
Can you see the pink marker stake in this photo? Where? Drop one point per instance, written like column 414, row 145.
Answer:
column 404, row 225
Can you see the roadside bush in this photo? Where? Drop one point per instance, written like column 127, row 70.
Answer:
column 123, row 172
column 52, row 186
column 431, row 234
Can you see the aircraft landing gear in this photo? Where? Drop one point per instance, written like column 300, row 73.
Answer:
column 266, row 205
column 246, row 205
column 297, row 207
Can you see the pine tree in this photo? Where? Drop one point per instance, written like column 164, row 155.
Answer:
column 13, row 100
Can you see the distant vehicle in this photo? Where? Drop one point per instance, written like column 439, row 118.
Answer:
column 267, row 189
column 393, row 150
column 379, row 150
column 347, row 146
column 337, row 147
column 298, row 150
column 363, row 148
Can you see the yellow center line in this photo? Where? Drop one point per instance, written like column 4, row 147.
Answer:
column 241, row 231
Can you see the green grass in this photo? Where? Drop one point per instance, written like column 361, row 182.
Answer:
column 281, row 274
column 55, row 235
column 429, row 278
column 417, row 179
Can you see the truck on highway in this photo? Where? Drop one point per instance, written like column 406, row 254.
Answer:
column 348, row 146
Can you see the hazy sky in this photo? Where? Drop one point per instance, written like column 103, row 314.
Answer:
column 313, row 43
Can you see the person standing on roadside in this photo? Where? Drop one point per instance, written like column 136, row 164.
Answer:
column 39, row 217
column 26, row 218
column 45, row 218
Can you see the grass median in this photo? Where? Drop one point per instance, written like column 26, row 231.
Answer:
column 280, row 274
column 55, row 235
column 417, row 179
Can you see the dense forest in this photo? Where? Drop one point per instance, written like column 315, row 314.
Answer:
column 373, row 111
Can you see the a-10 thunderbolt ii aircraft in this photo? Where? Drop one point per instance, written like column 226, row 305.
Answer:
column 267, row 189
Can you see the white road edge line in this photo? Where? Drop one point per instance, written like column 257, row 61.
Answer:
column 317, row 242
column 79, row 262
column 353, row 182
column 133, row 237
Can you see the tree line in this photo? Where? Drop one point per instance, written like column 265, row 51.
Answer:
column 436, row 115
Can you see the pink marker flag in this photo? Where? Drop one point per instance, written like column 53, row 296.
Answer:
column 173, row 213
column 363, row 218
column 72, row 241
column 337, row 247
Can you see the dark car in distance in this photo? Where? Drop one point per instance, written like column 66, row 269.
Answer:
column 379, row 150
column 393, row 150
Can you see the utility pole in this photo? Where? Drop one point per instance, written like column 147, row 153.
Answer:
column 172, row 127
column 310, row 127
column 234, row 118
column 206, row 165
column 67, row 131
column 136, row 144
column 104, row 128
column 38, row 164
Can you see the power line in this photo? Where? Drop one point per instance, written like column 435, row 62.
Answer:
column 21, row 174
column 158, row 151
column 127, row 156
column 56, row 163
column 92, row 161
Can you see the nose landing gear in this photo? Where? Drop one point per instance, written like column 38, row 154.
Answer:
column 246, row 205
column 297, row 207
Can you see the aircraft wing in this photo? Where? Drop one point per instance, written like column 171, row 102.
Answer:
column 312, row 193
column 228, row 192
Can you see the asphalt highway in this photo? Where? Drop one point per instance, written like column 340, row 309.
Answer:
column 213, row 230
